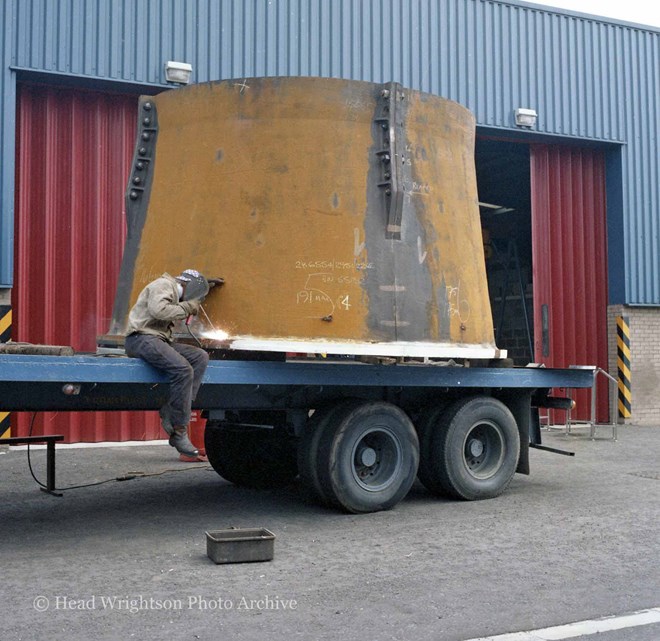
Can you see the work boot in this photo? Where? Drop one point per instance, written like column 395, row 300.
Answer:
column 181, row 442
column 165, row 420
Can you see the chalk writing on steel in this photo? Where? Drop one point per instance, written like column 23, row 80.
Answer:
column 332, row 264
column 421, row 255
column 458, row 305
column 358, row 247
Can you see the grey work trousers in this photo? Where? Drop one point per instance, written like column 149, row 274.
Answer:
column 183, row 364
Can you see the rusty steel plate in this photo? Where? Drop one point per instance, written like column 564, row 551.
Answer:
column 343, row 215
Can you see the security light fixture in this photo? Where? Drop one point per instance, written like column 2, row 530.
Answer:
column 495, row 209
column 525, row 117
column 178, row 72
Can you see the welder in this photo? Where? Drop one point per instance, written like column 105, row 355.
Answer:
column 149, row 336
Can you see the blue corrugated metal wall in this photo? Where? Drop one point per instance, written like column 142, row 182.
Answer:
column 587, row 78
column 7, row 139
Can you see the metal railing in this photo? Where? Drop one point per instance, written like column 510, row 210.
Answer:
column 593, row 423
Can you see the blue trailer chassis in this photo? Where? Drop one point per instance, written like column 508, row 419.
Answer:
column 88, row 382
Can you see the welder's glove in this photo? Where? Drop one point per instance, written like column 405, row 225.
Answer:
column 191, row 307
column 215, row 282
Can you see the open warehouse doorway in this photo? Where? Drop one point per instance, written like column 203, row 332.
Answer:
column 544, row 218
column 503, row 179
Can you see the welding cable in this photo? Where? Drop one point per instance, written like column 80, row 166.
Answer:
column 36, row 480
column 195, row 337
column 126, row 477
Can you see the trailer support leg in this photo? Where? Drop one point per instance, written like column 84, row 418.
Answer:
column 50, row 440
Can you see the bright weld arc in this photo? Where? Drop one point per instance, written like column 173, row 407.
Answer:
column 216, row 335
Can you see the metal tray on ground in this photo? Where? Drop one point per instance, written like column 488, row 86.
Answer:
column 240, row 545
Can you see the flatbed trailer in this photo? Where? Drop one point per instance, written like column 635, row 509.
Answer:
column 344, row 218
column 357, row 434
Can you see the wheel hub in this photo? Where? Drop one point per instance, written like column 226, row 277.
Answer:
column 476, row 447
column 376, row 459
column 483, row 449
column 368, row 456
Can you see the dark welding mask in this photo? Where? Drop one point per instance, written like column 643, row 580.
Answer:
column 194, row 284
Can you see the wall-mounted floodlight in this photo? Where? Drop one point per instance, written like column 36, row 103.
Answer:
column 525, row 117
column 178, row 72
column 495, row 209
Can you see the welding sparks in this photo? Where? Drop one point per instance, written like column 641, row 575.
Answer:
column 216, row 335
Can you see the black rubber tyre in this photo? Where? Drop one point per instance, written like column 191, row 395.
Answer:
column 427, row 425
column 251, row 456
column 308, row 449
column 367, row 457
column 474, row 450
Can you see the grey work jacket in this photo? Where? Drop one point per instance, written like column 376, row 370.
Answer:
column 158, row 307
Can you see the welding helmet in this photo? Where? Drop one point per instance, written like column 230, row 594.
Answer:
column 194, row 284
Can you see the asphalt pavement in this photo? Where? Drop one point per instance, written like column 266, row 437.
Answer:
column 578, row 539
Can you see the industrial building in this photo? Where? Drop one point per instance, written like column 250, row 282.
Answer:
column 567, row 159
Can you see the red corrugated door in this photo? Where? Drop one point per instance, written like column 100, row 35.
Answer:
column 74, row 150
column 569, row 248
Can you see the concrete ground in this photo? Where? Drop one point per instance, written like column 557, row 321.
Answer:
column 576, row 540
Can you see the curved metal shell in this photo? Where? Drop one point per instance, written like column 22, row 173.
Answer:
column 343, row 215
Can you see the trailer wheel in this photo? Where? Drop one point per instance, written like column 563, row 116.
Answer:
column 367, row 457
column 251, row 456
column 474, row 450
column 427, row 425
column 309, row 445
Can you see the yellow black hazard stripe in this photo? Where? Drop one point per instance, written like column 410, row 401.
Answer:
column 5, row 335
column 623, row 362
column 4, row 424
column 5, row 323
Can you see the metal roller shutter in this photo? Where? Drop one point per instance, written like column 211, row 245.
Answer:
column 74, row 150
column 569, row 245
